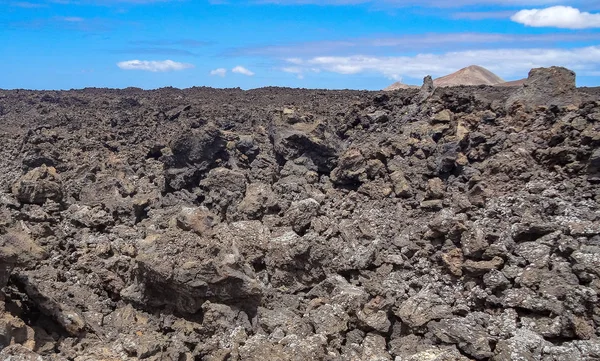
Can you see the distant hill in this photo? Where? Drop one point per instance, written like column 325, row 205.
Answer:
column 471, row 75
column 400, row 85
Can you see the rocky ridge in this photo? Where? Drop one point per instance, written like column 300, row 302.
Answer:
column 437, row 224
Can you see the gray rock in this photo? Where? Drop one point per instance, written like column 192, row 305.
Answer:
column 470, row 337
column 473, row 242
column 546, row 86
column 525, row 345
column 183, row 270
column 422, row 308
column 19, row 353
column 301, row 213
column 329, row 319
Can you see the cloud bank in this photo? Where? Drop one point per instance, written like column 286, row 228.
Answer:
column 564, row 17
column 153, row 65
column 505, row 62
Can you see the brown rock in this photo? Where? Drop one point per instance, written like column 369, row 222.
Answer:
column 454, row 261
column 38, row 185
column 435, row 188
column 199, row 220
column 352, row 168
column 445, row 116
column 401, row 185
column 482, row 266
column 582, row 328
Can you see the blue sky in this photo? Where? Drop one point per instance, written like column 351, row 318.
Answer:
column 357, row 44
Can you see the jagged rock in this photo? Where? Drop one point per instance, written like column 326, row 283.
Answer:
column 329, row 319
column 190, row 153
column 401, row 185
column 250, row 237
column 285, row 320
column 527, row 299
column 38, row 289
column 525, row 345
column 38, row 185
column 374, row 316
column 435, row 188
column 225, row 189
column 199, row 220
column 19, row 353
column 546, row 86
column 379, row 116
column 374, row 349
column 312, row 141
column 454, row 261
column 422, row 308
column 18, row 248
column 495, row 279
column 340, row 292
column 435, row 354
column 426, row 90
column 198, row 147
column 471, row 337
column 530, row 232
column 290, row 348
column 95, row 218
column 301, row 213
column 258, row 200
column 183, row 270
column 351, row 168
column 432, row 205
column 473, row 242
column 445, row 116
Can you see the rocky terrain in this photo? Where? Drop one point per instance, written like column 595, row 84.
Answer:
column 471, row 75
column 433, row 224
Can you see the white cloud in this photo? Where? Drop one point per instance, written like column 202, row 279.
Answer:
column 564, row 17
column 505, row 62
column 153, row 66
column 219, row 72
column 241, row 70
column 414, row 43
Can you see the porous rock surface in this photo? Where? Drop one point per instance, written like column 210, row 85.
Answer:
column 280, row 224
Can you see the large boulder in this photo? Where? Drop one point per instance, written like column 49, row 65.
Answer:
column 190, row 154
column 38, row 185
column 183, row 270
column 423, row 307
column 311, row 140
column 546, row 86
